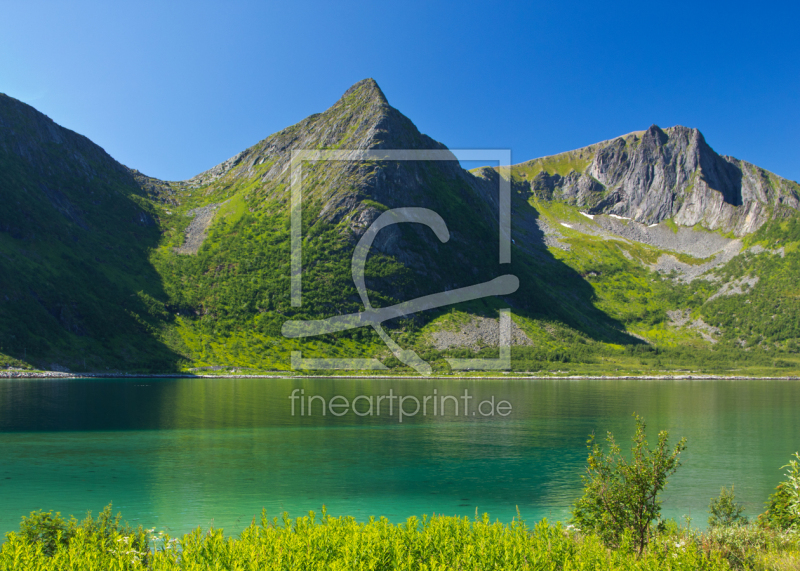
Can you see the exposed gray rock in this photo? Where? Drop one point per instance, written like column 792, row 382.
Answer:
column 689, row 272
column 655, row 175
column 735, row 287
column 574, row 188
column 758, row 249
column 679, row 318
column 550, row 236
column 696, row 243
column 196, row 231
column 479, row 332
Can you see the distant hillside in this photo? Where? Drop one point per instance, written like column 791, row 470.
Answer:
column 647, row 253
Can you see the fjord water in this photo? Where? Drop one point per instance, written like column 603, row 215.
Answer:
column 182, row 453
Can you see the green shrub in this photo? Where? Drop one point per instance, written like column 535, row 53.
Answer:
column 48, row 530
column 778, row 515
column 725, row 511
column 53, row 532
column 622, row 496
column 783, row 508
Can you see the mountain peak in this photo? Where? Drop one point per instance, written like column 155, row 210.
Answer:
column 30, row 135
column 361, row 119
column 366, row 90
column 656, row 135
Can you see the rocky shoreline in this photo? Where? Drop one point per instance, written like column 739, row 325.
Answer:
column 60, row 375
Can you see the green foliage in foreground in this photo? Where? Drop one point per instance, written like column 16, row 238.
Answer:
column 779, row 514
column 437, row 543
column 53, row 531
column 783, row 507
column 342, row 543
column 751, row 546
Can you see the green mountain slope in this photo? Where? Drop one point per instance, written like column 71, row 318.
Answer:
column 107, row 266
column 75, row 234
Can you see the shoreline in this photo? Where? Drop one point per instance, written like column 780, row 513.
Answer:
column 691, row 377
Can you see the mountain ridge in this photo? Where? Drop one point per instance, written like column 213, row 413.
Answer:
column 207, row 282
column 655, row 175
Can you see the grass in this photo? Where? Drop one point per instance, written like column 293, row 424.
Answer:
column 437, row 542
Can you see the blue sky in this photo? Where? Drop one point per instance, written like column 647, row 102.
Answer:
column 175, row 88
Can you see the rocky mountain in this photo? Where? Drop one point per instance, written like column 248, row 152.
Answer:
column 631, row 254
column 656, row 175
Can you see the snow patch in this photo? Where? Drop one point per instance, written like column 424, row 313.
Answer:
column 619, row 217
column 589, row 216
column 566, row 225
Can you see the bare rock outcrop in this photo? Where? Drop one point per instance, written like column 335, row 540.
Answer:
column 196, row 231
column 479, row 332
column 655, row 175
column 674, row 173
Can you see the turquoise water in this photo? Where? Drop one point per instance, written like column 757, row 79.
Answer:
column 181, row 453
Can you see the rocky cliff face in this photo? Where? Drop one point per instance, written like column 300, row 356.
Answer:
column 671, row 173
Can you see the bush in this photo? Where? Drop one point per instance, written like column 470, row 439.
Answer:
column 778, row 515
column 53, row 532
column 783, row 508
column 622, row 496
column 749, row 546
column 725, row 511
column 46, row 529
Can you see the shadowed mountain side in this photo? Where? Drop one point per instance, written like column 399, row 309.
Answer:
column 77, row 289
column 549, row 288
